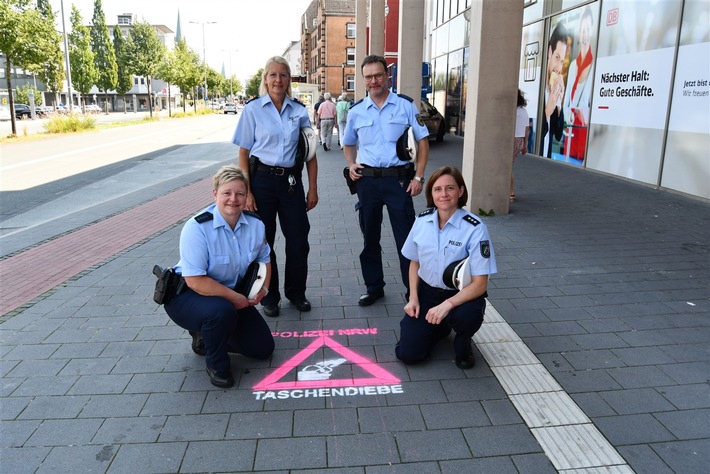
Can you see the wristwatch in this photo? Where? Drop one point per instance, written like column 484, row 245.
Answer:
column 420, row 179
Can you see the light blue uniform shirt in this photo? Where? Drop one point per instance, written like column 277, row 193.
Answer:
column 271, row 136
column 376, row 131
column 212, row 248
column 463, row 235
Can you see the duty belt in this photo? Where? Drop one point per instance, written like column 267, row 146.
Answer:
column 399, row 171
column 275, row 170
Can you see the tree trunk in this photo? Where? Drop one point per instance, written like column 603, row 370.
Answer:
column 12, row 100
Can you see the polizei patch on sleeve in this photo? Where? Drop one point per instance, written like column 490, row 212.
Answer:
column 485, row 249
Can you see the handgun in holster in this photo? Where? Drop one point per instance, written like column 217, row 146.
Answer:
column 253, row 163
column 169, row 284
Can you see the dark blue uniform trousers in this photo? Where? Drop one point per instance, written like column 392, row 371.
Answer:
column 224, row 328
column 374, row 193
column 273, row 198
column 418, row 337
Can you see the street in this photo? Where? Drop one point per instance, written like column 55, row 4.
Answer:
column 56, row 176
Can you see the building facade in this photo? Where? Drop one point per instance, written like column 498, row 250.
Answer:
column 614, row 86
column 330, row 64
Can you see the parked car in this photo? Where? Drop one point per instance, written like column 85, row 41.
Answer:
column 22, row 111
column 230, row 109
column 434, row 121
column 43, row 110
column 93, row 109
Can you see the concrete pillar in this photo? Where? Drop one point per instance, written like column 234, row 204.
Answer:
column 360, row 46
column 410, row 49
column 493, row 69
column 377, row 27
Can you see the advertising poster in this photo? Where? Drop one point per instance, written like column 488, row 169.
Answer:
column 686, row 162
column 531, row 59
column 632, row 83
column 569, row 76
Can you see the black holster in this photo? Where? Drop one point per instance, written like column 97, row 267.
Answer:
column 169, row 284
column 352, row 185
column 253, row 163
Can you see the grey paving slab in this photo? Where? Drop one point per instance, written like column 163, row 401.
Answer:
column 291, row 453
column 148, row 457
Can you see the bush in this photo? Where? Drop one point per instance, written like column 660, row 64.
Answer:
column 70, row 123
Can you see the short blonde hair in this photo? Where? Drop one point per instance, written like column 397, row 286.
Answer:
column 229, row 173
column 263, row 90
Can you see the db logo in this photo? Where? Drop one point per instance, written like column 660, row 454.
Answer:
column 612, row 17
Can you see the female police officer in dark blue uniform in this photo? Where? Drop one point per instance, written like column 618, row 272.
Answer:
column 442, row 235
column 216, row 247
column 267, row 134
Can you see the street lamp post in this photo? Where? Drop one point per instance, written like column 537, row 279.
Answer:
column 66, row 59
column 230, row 51
column 204, row 52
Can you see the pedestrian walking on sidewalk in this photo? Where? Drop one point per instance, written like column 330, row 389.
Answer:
column 520, row 145
column 374, row 126
column 216, row 247
column 326, row 118
column 267, row 136
column 451, row 258
column 342, row 111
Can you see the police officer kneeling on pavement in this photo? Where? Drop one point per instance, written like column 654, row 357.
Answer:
column 451, row 258
column 217, row 247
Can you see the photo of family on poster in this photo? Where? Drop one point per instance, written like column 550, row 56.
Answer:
column 568, row 80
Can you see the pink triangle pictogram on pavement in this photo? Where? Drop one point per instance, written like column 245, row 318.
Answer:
column 379, row 375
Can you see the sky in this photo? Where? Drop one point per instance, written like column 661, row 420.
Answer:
column 254, row 30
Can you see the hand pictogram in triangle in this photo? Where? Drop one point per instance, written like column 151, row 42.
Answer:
column 379, row 375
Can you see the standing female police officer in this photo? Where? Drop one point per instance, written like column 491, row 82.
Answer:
column 268, row 133
column 442, row 235
column 216, row 247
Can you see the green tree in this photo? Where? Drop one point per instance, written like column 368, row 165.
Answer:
column 232, row 86
column 125, row 78
column 214, row 83
column 254, row 83
column 81, row 58
column 169, row 72
column 52, row 72
column 145, row 54
column 104, row 54
column 22, row 94
column 25, row 41
column 188, row 71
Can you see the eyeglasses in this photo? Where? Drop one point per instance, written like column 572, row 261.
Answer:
column 375, row 77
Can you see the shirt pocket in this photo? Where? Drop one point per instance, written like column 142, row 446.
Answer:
column 363, row 125
column 396, row 127
column 220, row 267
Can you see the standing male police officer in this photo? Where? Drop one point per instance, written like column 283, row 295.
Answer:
column 374, row 125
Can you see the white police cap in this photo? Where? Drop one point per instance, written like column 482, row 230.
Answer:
column 458, row 274
column 407, row 146
column 253, row 280
column 307, row 144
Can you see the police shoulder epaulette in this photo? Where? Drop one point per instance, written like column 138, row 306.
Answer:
column 406, row 97
column 471, row 220
column 253, row 99
column 204, row 217
column 298, row 101
column 427, row 212
column 252, row 214
column 356, row 103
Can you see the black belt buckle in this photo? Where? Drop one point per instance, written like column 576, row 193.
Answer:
column 278, row 171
